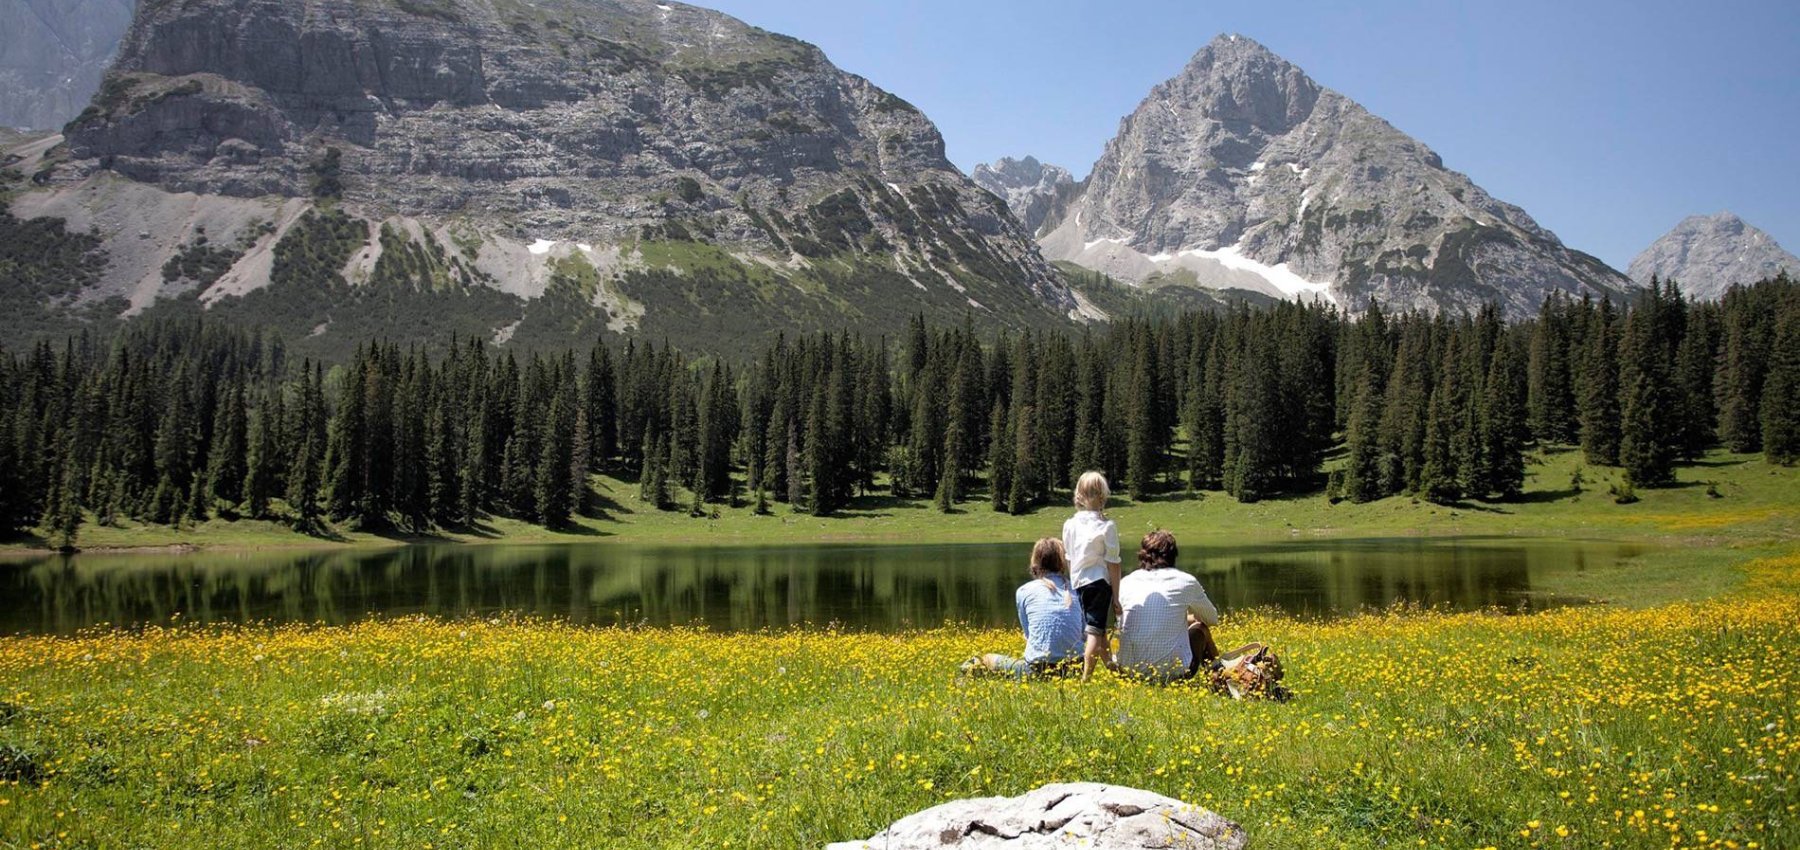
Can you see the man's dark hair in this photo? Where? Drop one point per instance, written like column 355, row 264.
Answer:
column 1157, row 551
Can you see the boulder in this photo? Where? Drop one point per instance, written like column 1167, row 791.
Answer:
column 1081, row 814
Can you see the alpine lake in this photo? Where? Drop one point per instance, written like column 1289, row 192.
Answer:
column 854, row 587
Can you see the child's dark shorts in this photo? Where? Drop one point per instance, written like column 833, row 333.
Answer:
column 1096, row 605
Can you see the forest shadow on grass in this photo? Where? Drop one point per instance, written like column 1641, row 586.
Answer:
column 1712, row 464
column 600, row 504
column 1539, row 497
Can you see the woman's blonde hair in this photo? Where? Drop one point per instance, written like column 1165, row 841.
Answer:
column 1092, row 491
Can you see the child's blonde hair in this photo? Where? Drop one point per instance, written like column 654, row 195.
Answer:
column 1092, row 491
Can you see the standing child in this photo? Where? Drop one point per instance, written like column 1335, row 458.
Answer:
column 1092, row 543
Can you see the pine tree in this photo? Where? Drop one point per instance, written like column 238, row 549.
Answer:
column 1647, row 417
column 1600, row 391
column 1694, row 370
column 346, row 467
column 819, row 469
column 1020, row 494
column 1363, row 474
column 64, row 518
column 1781, row 393
column 260, row 483
column 555, row 483
column 304, row 479
column 599, row 405
column 1142, row 455
column 1000, row 457
column 1740, row 379
column 225, row 464
column 1503, row 427
column 949, row 488
column 1550, row 391
column 1440, row 479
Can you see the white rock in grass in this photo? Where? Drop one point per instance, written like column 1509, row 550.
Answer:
column 1083, row 814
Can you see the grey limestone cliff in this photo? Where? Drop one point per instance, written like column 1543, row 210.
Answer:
column 1241, row 172
column 1031, row 189
column 722, row 176
column 1706, row 254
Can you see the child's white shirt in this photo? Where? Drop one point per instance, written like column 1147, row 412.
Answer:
column 1092, row 542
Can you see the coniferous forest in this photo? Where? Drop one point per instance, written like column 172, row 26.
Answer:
column 178, row 422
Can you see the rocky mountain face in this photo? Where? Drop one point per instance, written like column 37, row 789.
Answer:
column 52, row 53
column 1243, row 173
column 559, row 166
column 1030, row 188
column 1706, row 254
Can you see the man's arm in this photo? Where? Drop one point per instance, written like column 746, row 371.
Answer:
column 1201, row 606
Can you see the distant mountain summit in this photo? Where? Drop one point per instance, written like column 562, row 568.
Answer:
column 1706, row 254
column 1241, row 172
column 537, row 170
column 1029, row 188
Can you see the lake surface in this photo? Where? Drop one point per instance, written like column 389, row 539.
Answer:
column 868, row 587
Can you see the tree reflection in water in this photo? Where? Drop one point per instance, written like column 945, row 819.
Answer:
column 887, row 587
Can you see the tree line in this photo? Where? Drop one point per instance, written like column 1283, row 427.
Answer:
column 181, row 421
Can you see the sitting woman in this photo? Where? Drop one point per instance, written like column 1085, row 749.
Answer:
column 1165, row 634
column 1048, row 616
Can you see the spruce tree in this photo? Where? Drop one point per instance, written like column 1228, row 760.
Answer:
column 260, row 483
column 1600, row 391
column 1741, row 365
column 1142, row 448
column 1646, row 407
column 1362, row 473
column 1695, row 368
column 1781, row 393
column 555, row 484
column 1440, row 479
column 819, row 469
column 1503, row 427
column 1000, row 457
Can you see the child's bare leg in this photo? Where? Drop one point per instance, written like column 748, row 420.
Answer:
column 1094, row 651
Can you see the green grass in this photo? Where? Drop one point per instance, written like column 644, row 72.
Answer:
column 1661, row 717
column 1581, row 728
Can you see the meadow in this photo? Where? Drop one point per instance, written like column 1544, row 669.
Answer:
column 1664, row 719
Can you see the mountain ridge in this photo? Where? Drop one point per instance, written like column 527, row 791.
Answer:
column 1707, row 254
column 1243, row 172
column 676, row 168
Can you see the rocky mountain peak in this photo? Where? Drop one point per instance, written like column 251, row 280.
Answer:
column 1030, row 188
column 1706, row 254
column 1241, row 172
column 652, row 166
column 1236, row 80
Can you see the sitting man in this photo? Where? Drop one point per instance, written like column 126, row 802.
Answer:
column 1049, row 618
column 1165, row 634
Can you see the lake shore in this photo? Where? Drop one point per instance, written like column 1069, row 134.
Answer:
column 1665, row 713
column 1690, row 532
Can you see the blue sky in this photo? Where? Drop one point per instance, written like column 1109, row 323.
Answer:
column 1607, row 121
